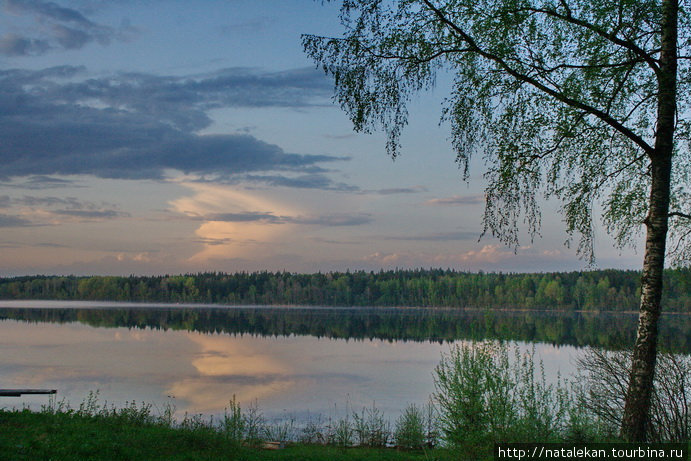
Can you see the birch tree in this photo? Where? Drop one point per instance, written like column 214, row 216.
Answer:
column 583, row 101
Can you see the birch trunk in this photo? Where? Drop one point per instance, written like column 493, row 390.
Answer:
column 637, row 404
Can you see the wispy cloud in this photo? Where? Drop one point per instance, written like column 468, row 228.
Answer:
column 14, row 221
column 55, row 27
column 401, row 190
column 457, row 200
column 92, row 214
column 436, row 237
column 36, row 210
column 309, row 181
column 39, row 182
column 328, row 220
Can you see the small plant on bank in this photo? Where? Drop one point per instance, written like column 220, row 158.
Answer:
column 233, row 424
column 281, row 430
column 340, row 432
column 255, row 425
column 410, row 431
column 371, row 427
column 312, row 432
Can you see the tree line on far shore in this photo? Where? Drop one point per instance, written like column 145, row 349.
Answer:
column 612, row 290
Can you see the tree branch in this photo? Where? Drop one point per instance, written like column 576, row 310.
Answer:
column 474, row 47
column 568, row 17
column 679, row 214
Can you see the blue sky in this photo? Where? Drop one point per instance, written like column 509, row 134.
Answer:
column 157, row 137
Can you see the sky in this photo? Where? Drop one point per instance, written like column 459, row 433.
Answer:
column 160, row 137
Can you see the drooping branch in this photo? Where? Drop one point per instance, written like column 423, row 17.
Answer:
column 568, row 17
column 503, row 64
column 679, row 214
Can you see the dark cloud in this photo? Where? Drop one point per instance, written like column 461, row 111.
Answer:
column 333, row 220
column 336, row 220
column 243, row 217
column 437, row 237
column 32, row 201
column 136, row 126
column 67, row 206
column 50, row 245
column 92, row 214
column 311, row 181
column 339, row 136
column 13, row 221
column 42, row 182
column 57, row 27
column 402, row 190
column 15, row 45
column 49, row 10
column 214, row 242
column 458, row 200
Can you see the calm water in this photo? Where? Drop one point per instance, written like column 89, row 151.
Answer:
column 289, row 361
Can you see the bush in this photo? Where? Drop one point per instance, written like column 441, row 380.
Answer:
column 604, row 380
column 483, row 397
column 371, row 428
column 410, row 429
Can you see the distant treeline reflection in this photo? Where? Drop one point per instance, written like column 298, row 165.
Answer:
column 606, row 330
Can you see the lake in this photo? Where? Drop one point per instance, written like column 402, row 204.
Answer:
column 291, row 362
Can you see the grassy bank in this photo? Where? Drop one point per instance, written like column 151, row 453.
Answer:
column 60, row 436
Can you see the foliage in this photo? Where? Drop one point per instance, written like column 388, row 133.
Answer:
column 561, row 98
column 371, row 428
column 410, row 430
column 592, row 290
column 484, row 396
column 233, row 424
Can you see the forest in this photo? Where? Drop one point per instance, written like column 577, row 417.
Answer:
column 602, row 290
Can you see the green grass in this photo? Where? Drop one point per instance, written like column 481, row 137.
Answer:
column 30, row 436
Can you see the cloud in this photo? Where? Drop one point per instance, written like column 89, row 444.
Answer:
column 309, row 181
column 437, row 237
column 487, row 256
column 490, row 257
column 242, row 217
column 38, row 182
column 92, row 214
column 55, row 27
column 402, row 190
column 331, row 220
column 458, row 200
column 51, row 209
column 12, row 44
column 334, row 220
column 137, row 126
column 13, row 221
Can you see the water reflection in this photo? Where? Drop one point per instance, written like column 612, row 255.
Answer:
column 294, row 361
column 296, row 375
column 607, row 330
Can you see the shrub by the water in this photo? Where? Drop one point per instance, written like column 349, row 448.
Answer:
column 485, row 396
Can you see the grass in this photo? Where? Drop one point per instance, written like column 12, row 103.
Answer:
column 64, row 436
